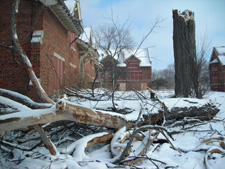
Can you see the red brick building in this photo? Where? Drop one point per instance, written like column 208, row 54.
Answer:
column 134, row 70
column 217, row 69
column 46, row 30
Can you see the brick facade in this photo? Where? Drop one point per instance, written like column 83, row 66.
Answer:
column 137, row 77
column 55, row 63
column 131, row 73
column 217, row 69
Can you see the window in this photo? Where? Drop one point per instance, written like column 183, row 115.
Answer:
column 134, row 76
column 72, row 73
column 59, row 64
column 132, row 64
column 122, row 86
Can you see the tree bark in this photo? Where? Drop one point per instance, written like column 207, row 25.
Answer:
column 205, row 112
column 186, row 81
column 62, row 111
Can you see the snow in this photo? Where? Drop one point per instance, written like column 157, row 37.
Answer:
column 142, row 54
column 26, row 60
column 184, row 102
column 189, row 144
column 24, row 98
column 15, row 36
column 78, row 147
column 221, row 50
column 28, row 113
column 13, row 104
column 35, row 40
column 221, row 54
column 214, row 61
column 187, row 15
column 86, row 35
column 37, row 36
column 222, row 59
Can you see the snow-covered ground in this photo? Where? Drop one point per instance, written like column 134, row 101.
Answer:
column 190, row 144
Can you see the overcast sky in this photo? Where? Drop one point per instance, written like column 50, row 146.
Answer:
column 209, row 18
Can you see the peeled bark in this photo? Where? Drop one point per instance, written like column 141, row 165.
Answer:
column 98, row 140
column 62, row 111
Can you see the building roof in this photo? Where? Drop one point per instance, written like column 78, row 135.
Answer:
column 87, row 37
column 143, row 55
column 59, row 8
column 220, row 52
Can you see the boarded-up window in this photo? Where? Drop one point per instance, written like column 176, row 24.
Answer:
column 132, row 64
column 135, row 75
column 59, row 64
column 122, row 86
column 144, row 86
column 72, row 74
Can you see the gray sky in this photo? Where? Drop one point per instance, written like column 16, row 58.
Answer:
column 209, row 18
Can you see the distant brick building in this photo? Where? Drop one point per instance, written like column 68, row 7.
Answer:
column 134, row 70
column 45, row 30
column 217, row 69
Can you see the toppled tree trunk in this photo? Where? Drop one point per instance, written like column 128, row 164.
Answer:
column 205, row 112
column 186, row 80
column 62, row 111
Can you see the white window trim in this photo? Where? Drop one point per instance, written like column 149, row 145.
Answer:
column 59, row 57
column 72, row 65
column 37, row 36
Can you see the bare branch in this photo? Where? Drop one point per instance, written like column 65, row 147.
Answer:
column 18, row 48
column 158, row 20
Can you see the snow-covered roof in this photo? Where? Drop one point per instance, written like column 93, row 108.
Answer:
column 214, row 61
column 87, row 37
column 222, row 59
column 220, row 50
column 221, row 54
column 142, row 54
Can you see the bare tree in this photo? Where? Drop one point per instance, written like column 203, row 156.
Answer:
column 202, row 64
column 114, row 39
column 26, row 116
column 164, row 78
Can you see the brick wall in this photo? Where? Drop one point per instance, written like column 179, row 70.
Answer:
column 131, row 76
column 55, row 42
column 139, row 84
column 217, row 75
column 13, row 75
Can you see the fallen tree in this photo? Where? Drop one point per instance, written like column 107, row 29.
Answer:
column 143, row 129
column 62, row 110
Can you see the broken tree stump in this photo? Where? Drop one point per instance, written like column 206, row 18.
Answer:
column 184, row 45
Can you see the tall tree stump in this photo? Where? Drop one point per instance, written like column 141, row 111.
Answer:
column 186, row 81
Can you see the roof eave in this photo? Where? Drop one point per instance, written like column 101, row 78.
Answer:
column 88, row 47
column 61, row 11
